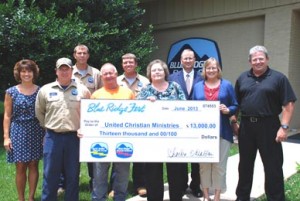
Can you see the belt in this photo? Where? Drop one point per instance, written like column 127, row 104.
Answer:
column 255, row 119
column 66, row 132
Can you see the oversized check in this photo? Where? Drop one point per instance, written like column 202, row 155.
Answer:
column 145, row 131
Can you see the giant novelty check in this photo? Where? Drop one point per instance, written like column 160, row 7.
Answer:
column 145, row 131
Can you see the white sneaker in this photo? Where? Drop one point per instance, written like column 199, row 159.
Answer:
column 60, row 191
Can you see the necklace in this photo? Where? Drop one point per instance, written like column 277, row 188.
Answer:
column 211, row 93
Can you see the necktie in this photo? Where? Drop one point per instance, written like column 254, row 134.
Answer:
column 188, row 83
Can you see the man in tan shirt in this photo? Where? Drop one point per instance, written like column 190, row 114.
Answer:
column 83, row 72
column 58, row 111
column 134, row 81
column 89, row 77
column 131, row 78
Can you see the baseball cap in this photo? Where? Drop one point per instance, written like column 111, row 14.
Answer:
column 64, row 61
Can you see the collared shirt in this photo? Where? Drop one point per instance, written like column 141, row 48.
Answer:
column 265, row 95
column 91, row 79
column 139, row 83
column 58, row 109
column 191, row 74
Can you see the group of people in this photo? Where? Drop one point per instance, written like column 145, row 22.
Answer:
column 43, row 122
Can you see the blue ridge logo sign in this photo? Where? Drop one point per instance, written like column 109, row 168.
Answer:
column 99, row 150
column 124, row 150
column 203, row 48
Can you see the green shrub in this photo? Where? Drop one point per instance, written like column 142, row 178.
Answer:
column 1, row 121
column 298, row 167
column 25, row 32
column 1, row 108
column 44, row 34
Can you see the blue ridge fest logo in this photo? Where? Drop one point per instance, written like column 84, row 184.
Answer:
column 124, row 150
column 99, row 150
column 203, row 48
column 91, row 79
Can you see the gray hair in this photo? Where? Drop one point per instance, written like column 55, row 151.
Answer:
column 106, row 65
column 257, row 48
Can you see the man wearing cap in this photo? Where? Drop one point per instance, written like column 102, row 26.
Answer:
column 58, row 111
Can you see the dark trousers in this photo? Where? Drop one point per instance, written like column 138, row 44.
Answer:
column 195, row 177
column 90, row 172
column 155, row 183
column 139, row 175
column 61, row 155
column 260, row 135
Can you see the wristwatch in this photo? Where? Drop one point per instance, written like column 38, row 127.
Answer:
column 285, row 127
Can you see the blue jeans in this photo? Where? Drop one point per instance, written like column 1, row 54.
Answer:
column 120, row 183
column 61, row 154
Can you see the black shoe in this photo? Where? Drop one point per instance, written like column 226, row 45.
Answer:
column 197, row 193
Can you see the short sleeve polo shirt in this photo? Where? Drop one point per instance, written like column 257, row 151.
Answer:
column 265, row 95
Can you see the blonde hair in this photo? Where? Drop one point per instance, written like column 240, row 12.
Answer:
column 208, row 62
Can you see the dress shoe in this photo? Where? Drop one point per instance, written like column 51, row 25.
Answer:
column 197, row 193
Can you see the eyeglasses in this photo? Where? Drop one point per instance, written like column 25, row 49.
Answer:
column 211, row 68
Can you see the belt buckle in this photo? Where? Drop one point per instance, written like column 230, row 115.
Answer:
column 253, row 119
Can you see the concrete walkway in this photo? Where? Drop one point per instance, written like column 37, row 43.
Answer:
column 291, row 152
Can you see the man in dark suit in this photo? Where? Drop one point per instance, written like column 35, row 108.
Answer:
column 187, row 78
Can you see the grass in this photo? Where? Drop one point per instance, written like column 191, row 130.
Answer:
column 8, row 188
column 234, row 149
column 292, row 189
column 9, row 193
column 292, row 184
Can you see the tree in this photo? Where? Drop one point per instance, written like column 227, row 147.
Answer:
column 44, row 32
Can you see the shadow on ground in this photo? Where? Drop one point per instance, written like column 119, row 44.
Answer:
column 294, row 138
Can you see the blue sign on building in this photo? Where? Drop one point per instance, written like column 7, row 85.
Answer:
column 203, row 48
